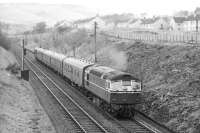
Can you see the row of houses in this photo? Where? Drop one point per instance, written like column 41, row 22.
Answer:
column 156, row 23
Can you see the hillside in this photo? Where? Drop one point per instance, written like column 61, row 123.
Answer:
column 170, row 74
column 32, row 13
column 20, row 110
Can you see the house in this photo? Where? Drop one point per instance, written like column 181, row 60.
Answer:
column 110, row 25
column 83, row 24
column 190, row 23
column 177, row 23
column 161, row 23
column 134, row 23
column 148, row 23
column 64, row 23
column 100, row 23
column 89, row 23
column 184, row 23
column 122, row 24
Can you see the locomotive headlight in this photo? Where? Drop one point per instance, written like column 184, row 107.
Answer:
column 135, row 85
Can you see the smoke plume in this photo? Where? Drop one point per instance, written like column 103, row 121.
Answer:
column 118, row 58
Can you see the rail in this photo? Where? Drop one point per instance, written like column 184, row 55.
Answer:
column 151, row 124
column 139, row 117
column 102, row 129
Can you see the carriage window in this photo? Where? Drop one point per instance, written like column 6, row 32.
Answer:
column 78, row 74
column 108, row 84
column 87, row 77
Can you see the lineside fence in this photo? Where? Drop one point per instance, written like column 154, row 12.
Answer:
column 150, row 36
column 147, row 36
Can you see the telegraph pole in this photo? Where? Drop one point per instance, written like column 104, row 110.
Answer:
column 95, row 41
column 197, row 29
column 23, row 41
column 24, row 73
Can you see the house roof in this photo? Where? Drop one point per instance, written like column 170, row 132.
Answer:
column 179, row 19
column 84, row 20
column 190, row 18
column 149, row 20
column 133, row 21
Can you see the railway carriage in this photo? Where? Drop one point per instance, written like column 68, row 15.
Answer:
column 57, row 62
column 74, row 69
column 38, row 53
column 44, row 56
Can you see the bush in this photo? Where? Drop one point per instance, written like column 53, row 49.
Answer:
column 40, row 27
column 13, row 68
column 4, row 41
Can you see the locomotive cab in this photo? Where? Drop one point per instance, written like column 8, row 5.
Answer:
column 123, row 86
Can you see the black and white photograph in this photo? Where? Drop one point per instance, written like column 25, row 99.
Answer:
column 100, row 66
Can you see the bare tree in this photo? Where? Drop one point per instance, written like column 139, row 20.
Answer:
column 40, row 27
column 4, row 41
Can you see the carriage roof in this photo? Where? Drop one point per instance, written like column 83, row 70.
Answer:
column 79, row 63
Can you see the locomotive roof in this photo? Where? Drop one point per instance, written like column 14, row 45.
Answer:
column 110, row 73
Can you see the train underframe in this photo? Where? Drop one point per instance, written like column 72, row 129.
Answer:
column 118, row 111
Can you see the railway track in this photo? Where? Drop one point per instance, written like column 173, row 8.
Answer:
column 133, row 125
column 78, row 115
column 81, row 120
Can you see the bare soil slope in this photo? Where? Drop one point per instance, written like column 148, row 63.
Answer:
column 20, row 110
column 171, row 77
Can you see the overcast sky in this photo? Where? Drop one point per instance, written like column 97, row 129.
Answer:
column 152, row 7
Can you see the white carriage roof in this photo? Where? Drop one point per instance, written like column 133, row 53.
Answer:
column 52, row 54
column 80, row 63
column 58, row 56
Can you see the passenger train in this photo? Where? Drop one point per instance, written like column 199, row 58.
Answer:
column 113, row 90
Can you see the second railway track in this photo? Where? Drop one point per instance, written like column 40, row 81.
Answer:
column 84, row 121
column 132, row 127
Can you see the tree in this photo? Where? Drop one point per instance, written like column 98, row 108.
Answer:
column 182, row 13
column 77, row 38
column 4, row 41
column 40, row 27
column 197, row 12
column 63, row 29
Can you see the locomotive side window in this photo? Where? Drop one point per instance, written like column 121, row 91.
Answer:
column 108, row 84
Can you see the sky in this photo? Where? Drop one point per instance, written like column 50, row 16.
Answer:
column 102, row 7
